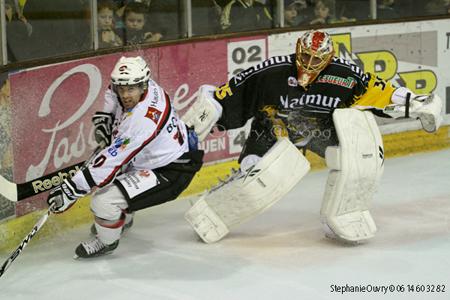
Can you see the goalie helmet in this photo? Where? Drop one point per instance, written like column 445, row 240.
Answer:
column 313, row 53
column 130, row 71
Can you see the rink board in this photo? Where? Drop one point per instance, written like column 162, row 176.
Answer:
column 398, row 144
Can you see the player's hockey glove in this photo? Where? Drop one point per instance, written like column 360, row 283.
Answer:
column 63, row 197
column 103, row 123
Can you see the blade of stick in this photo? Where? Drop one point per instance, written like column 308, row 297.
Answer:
column 8, row 189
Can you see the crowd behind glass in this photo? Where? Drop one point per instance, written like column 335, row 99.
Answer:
column 48, row 28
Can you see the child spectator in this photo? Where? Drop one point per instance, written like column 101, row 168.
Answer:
column 325, row 13
column 295, row 13
column 107, row 37
column 135, row 19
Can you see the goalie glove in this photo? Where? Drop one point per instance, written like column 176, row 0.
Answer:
column 426, row 108
column 103, row 123
column 203, row 114
column 63, row 197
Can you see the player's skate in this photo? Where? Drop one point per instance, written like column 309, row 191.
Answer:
column 128, row 223
column 94, row 248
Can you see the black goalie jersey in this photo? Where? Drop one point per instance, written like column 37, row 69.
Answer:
column 306, row 112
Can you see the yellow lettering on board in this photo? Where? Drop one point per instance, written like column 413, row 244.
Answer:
column 420, row 82
column 342, row 41
column 382, row 63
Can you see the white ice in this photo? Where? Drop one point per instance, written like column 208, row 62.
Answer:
column 281, row 254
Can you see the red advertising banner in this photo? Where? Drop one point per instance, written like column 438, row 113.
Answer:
column 52, row 105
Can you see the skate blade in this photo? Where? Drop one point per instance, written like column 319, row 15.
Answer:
column 76, row 257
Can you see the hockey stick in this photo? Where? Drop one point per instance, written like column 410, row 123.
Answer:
column 17, row 192
column 44, row 218
column 25, row 242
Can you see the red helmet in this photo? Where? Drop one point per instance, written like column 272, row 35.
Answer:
column 313, row 53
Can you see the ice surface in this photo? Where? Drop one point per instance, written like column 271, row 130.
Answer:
column 280, row 255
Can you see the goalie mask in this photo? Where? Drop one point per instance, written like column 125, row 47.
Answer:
column 313, row 54
column 130, row 71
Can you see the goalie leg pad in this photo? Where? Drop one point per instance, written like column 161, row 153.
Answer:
column 208, row 225
column 247, row 194
column 356, row 167
column 204, row 112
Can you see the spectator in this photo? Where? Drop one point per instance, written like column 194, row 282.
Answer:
column 296, row 13
column 120, row 9
column 107, row 37
column 18, row 32
column 135, row 17
column 239, row 15
column 325, row 13
column 386, row 10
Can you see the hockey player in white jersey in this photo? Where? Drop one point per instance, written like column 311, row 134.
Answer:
column 149, row 156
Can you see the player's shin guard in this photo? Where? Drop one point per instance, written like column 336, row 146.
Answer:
column 109, row 231
column 247, row 194
column 356, row 167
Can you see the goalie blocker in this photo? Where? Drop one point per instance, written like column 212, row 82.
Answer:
column 247, row 194
column 356, row 167
column 204, row 113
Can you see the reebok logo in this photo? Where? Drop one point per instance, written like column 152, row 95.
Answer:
column 203, row 116
column 251, row 172
column 48, row 184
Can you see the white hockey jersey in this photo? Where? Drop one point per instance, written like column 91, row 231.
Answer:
column 146, row 137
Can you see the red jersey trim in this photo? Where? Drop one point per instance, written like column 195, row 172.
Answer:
column 159, row 127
